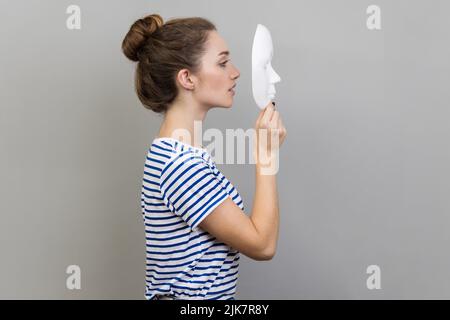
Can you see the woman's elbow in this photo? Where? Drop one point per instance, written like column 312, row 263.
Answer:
column 269, row 255
column 265, row 255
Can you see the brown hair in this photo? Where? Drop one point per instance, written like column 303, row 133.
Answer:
column 162, row 49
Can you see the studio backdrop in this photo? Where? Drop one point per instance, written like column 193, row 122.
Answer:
column 364, row 174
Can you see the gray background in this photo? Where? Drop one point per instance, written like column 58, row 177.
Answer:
column 364, row 175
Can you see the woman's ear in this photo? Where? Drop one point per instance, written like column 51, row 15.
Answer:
column 184, row 78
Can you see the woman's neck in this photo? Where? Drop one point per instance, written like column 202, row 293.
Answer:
column 184, row 124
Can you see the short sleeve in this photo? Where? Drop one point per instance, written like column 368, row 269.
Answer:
column 190, row 189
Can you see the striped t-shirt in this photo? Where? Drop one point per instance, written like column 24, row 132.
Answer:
column 181, row 186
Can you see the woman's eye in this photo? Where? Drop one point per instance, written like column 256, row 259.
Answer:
column 224, row 63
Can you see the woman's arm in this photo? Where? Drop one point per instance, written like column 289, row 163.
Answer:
column 265, row 213
column 255, row 236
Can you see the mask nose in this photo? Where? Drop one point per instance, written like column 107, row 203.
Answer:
column 274, row 77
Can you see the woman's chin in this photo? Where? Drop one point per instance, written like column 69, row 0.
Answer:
column 228, row 104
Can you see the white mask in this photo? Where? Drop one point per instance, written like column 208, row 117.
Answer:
column 264, row 76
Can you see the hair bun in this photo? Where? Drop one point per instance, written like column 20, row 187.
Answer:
column 139, row 32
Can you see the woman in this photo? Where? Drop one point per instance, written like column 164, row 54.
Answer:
column 194, row 220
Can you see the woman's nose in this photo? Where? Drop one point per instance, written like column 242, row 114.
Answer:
column 237, row 74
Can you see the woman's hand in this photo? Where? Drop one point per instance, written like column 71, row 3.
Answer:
column 270, row 133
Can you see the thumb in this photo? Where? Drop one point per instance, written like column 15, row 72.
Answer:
column 260, row 115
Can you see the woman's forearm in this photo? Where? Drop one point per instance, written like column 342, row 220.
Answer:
column 265, row 212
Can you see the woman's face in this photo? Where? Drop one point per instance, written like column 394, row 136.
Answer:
column 217, row 74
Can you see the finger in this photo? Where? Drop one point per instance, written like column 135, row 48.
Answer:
column 283, row 128
column 268, row 111
column 270, row 106
column 274, row 121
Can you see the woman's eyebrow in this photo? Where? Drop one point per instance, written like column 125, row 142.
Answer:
column 226, row 53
